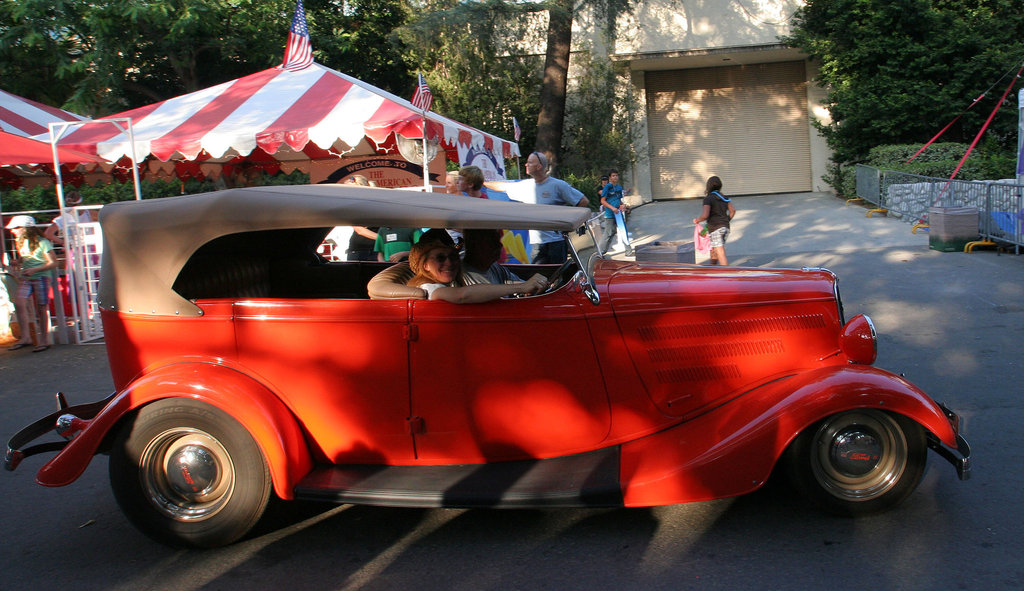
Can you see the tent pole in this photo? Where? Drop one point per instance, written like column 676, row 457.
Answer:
column 135, row 160
column 426, row 164
column 54, row 138
column 3, row 243
column 60, row 318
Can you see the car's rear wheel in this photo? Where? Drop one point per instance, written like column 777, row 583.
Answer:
column 859, row 462
column 186, row 473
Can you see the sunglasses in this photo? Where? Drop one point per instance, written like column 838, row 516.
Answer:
column 440, row 258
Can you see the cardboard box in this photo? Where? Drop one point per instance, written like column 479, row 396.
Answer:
column 673, row 251
column 951, row 228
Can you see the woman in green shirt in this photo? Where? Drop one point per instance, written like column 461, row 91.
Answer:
column 34, row 273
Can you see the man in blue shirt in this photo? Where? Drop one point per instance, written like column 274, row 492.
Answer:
column 549, row 246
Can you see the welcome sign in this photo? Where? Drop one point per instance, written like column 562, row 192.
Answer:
column 390, row 172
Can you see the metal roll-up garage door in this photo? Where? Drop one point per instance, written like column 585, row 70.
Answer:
column 746, row 124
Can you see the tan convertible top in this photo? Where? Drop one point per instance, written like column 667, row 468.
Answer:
column 146, row 243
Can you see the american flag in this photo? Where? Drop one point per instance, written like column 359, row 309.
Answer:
column 299, row 53
column 516, row 132
column 422, row 99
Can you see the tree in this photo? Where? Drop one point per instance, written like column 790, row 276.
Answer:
column 104, row 57
column 554, row 90
column 124, row 53
column 896, row 71
column 480, row 58
column 474, row 57
column 556, row 76
column 27, row 56
column 599, row 130
column 354, row 37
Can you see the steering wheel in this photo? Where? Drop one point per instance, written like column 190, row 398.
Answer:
column 561, row 275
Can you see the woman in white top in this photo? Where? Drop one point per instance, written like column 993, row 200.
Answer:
column 438, row 273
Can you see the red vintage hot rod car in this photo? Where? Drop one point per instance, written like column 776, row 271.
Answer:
column 245, row 365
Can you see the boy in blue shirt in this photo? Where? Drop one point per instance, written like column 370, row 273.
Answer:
column 611, row 203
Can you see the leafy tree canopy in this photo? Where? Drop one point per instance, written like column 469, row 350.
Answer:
column 467, row 52
column 485, row 62
column 98, row 58
column 898, row 70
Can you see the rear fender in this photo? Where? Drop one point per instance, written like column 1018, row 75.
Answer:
column 256, row 408
column 732, row 449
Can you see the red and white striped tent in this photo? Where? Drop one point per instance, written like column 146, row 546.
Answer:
column 309, row 113
column 23, row 159
column 24, row 117
column 16, row 149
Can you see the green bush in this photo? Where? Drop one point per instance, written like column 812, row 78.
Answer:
column 986, row 162
column 842, row 179
column 589, row 184
column 43, row 198
column 896, row 155
column 28, row 199
column 296, row 177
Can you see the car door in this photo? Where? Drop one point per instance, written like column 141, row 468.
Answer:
column 503, row 380
column 342, row 366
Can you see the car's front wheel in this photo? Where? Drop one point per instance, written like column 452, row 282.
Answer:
column 186, row 473
column 859, row 462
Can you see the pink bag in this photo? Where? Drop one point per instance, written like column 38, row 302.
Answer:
column 701, row 244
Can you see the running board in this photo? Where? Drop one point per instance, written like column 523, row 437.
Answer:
column 584, row 480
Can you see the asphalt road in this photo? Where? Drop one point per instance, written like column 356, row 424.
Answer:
column 952, row 322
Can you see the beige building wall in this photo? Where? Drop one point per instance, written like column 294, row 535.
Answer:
column 688, row 38
column 667, row 26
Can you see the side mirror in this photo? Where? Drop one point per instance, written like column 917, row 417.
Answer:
column 589, row 290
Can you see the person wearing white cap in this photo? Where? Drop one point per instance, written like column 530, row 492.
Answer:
column 35, row 275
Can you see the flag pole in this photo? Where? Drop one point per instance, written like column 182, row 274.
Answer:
column 422, row 99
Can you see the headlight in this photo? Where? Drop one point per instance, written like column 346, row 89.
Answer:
column 858, row 340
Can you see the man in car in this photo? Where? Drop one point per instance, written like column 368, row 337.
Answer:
column 480, row 265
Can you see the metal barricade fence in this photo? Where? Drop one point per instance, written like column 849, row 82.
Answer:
column 869, row 181
column 80, row 265
column 1000, row 204
column 85, row 249
column 1003, row 216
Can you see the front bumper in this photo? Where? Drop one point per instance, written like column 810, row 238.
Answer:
column 68, row 415
column 961, row 457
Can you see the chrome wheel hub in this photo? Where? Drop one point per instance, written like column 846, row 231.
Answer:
column 855, row 452
column 187, row 474
column 859, row 455
column 192, row 472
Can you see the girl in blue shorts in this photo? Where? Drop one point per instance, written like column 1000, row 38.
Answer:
column 718, row 211
column 35, row 275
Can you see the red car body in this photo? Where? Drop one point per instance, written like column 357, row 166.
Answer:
column 631, row 384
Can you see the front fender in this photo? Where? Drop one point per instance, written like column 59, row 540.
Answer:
column 256, row 408
column 732, row 449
